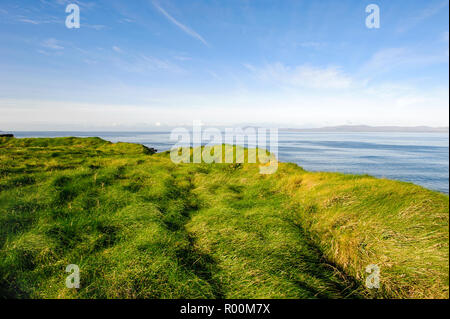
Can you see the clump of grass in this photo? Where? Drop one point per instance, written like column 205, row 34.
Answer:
column 357, row 221
column 139, row 226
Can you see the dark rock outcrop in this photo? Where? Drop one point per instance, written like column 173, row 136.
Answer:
column 149, row 150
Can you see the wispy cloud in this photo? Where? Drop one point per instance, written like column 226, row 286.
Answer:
column 312, row 45
column 389, row 59
column 141, row 63
column 214, row 75
column 425, row 14
column 83, row 4
column 36, row 20
column 184, row 28
column 52, row 44
column 182, row 58
column 303, row 76
column 96, row 27
column 126, row 20
column 24, row 20
column 117, row 49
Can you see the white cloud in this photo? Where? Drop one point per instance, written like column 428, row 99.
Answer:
column 83, row 4
column 312, row 44
column 229, row 108
column 425, row 14
column 126, row 20
column 117, row 49
column 389, row 59
column 184, row 28
column 182, row 58
column 52, row 44
column 303, row 76
column 24, row 20
column 96, row 27
column 141, row 63
column 386, row 59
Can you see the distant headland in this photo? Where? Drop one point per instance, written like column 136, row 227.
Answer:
column 4, row 134
column 367, row 128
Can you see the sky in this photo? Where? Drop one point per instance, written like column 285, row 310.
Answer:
column 147, row 64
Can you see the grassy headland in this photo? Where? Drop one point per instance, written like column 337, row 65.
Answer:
column 140, row 226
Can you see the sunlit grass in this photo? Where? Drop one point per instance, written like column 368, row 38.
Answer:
column 140, row 226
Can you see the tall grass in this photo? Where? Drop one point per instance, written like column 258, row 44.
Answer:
column 139, row 226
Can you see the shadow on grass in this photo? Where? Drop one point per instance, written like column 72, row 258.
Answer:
column 202, row 265
column 339, row 284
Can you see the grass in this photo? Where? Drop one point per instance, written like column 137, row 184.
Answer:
column 140, row 226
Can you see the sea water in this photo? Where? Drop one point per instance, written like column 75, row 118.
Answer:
column 420, row 158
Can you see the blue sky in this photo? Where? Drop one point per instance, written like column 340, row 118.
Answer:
column 147, row 64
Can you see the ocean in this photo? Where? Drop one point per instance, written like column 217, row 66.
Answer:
column 420, row 158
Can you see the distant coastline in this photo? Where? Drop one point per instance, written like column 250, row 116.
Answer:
column 371, row 129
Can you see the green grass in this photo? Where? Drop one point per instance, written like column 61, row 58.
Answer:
column 139, row 226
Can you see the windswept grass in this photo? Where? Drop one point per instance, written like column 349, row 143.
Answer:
column 139, row 226
column 360, row 220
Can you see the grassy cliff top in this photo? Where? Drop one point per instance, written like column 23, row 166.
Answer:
column 139, row 226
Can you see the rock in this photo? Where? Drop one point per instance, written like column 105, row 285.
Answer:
column 149, row 150
column 6, row 135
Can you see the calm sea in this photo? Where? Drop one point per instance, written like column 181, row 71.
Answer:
column 413, row 157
